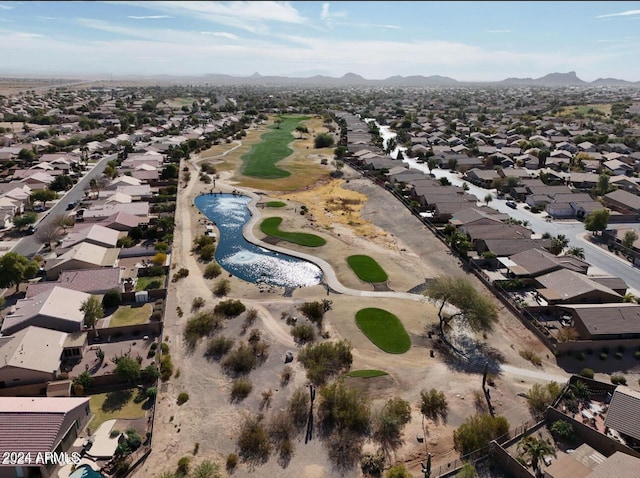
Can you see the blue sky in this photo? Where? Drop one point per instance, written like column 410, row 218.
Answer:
column 468, row 41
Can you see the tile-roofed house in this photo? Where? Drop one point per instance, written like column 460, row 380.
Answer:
column 56, row 309
column 605, row 321
column 91, row 281
column 123, row 181
column 82, row 256
column 40, row 425
column 569, row 287
column 623, row 414
column 30, row 355
column 509, row 247
column 100, row 213
column 477, row 215
column 623, row 201
column 535, row 262
column 618, row 465
column 497, row 231
column 91, row 233
column 123, row 221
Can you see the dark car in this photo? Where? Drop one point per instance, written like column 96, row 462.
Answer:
column 512, row 204
column 30, row 230
column 71, row 205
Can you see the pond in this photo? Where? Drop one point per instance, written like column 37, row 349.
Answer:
column 245, row 260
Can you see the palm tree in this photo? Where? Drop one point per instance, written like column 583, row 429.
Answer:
column 575, row 252
column 535, row 449
column 558, row 244
column 92, row 308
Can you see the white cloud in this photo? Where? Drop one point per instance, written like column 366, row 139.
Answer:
column 5, row 7
column 147, row 17
column 499, row 31
column 621, row 14
column 229, row 36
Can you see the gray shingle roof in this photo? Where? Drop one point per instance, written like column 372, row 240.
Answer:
column 623, row 414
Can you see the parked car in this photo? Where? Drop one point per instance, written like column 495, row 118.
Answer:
column 512, row 204
column 71, row 205
column 31, row 229
column 38, row 209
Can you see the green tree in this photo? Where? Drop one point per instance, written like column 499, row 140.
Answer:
column 43, row 195
column 603, row 186
column 170, row 171
column 323, row 140
column 433, row 404
column 15, row 268
column 25, row 219
column 597, row 221
column 542, row 396
column 467, row 471
column 474, row 308
column 478, row 431
column 534, row 449
column 432, row 163
column 487, row 199
column 128, row 369
column 92, row 308
column 629, row 238
column 63, row 182
column 27, row 156
column 563, row 430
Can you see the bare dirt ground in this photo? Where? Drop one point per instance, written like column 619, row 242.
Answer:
column 379, row 226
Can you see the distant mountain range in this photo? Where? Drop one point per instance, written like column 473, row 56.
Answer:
column 352, row 79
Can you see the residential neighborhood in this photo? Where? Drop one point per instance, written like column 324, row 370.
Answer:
column 536, row 202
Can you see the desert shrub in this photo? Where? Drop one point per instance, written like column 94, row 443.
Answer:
column 618, row 380
column 125, row 242
column 150, row 271
column 203, row 324
column 164, row 347
column 197, row 304
column 222, row 288
column 603, row 355
column 240, row 361
column 298, row 407
column 240, row 389
column 303, row 333
column 208, row 252
column 159, row 259
column 478, row 431
column 398, row 471
column 343, row 409
column 313, row 311
column 531, row 356
column 372, row 464
column 155, row 316
column 580, row 356
column 166, row 367
column 619, row 355
column 212, row 271
column 254, row 446
column 542, row 396
column 252, row 315
column 389, row 421
column 433, row 405
column 281, row 432
column 232, row 462
column 151, row 392
column 230, row 308
column 325, row 359
column 183, row 465
column 183, row 397
column 285, row 375
column 637, row 355
column 202, row 241
column 219, row 346
column 112, row 298
column 180, row 274
column 587, row 372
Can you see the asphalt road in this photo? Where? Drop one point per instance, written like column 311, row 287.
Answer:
column 28, row 245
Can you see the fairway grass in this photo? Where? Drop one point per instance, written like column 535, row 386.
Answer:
column 383, row 329
column 261, row 161
column 367, row 269
column 366, row 373
column 270, row 227
column 276, row 204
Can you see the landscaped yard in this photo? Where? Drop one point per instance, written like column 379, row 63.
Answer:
column 261, row 161
column 276, row 204
column 270, row 227
column 366, row 373
column 383, row 329
column 151, row 282
column 121, row 404
column 367, row 269
column 131, row 315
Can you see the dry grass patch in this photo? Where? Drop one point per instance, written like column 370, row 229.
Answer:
column 120, row 405
column 130, row 315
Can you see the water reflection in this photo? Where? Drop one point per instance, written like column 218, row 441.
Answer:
column 248, row 261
